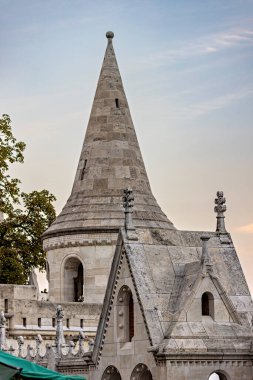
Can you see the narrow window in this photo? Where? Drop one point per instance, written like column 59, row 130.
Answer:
column 24, row 322
column 39, row 322
column 6, row 305
column 83, row 170
column 125, row 315
column 81, row 323
column 207, row 302
column 53, row 322
column 131, row 317
column 117, row 102
column 67, row 323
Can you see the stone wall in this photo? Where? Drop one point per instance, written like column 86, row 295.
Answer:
column 28, row 316
column 93, row 251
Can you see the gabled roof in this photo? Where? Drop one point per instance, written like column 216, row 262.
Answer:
column 186, row 286
column 110, row 161
column 166, row 269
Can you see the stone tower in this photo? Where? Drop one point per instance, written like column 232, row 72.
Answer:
column 81, row 241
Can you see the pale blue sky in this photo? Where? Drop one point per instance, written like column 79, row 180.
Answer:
column 187, row 71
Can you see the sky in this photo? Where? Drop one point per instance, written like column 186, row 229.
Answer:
column 187, row 70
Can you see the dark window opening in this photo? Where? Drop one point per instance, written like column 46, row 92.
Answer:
column 67, row 323
column 81, row 323
column 141, row 372
column 53, row 322
column 78, row 284
column 83, row 170
column 111, row 373
column 39, row 322
column 117, row 102
column 6, row 305
column 207, row 303
column 131, row 317
column 24, row 322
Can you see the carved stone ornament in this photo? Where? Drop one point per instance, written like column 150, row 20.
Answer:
column 2, row 319
column 220, row 208
column 128, row 203
column 220, row 204
column 128, row 200
column 59, row 312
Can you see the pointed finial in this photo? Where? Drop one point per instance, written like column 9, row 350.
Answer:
column 220, row 208
column 21, row 342
column 59, row 337
column 109, row 35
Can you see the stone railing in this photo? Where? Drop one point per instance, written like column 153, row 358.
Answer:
column 46, row 354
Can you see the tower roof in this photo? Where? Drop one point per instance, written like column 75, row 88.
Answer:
column 110, row 161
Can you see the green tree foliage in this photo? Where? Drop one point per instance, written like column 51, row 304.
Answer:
column 26, row 216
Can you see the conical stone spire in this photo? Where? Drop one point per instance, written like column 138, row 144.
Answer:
column 110, row 161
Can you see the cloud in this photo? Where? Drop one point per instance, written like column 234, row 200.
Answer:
column 219, row 102
column 202, row 108
column 209, row 44
column 247, row 229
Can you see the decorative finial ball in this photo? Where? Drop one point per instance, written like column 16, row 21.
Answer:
column 109, row 34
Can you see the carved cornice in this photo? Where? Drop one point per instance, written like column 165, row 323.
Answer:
column 78, row 231
column 47, row 246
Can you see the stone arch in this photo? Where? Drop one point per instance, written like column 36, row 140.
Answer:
column 218, row 375
column 141, row 372
column 125, row 315
column 111, row 373
column 72, row 279
column 207, row 304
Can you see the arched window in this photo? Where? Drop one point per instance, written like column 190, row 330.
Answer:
column 125, row 315
column 141, row 372
column 111, row 373
column 219, row 375
column 73, row 280
column 207, row 302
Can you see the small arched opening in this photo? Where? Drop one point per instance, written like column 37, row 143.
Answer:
column 218, row 375
column 207, row 303
column 111, row 373
column 73, row 280
column 141, row 372
column 125, row 314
